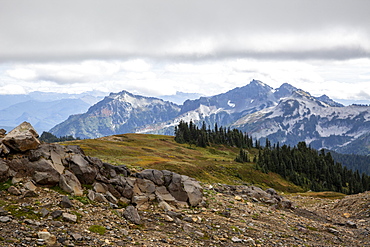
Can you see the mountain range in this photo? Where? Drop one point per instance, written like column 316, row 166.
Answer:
column 43, row 109
column 286, row 115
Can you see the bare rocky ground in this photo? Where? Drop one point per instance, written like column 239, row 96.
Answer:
column 52, row 195
column 226, row 218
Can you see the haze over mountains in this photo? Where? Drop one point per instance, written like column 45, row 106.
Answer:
column 286, row 115
column 43, row 110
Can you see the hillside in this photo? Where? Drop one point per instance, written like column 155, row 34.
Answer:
column 212, row 164
column 81, row 210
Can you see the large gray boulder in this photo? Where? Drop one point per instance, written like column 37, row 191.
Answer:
column 176, row 188
column 69, row 183
column 153, row 175
column 22, row 138
column 44, row 172
column 193, row 190
column 83, row 170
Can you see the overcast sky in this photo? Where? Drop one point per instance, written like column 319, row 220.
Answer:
column 158, row 47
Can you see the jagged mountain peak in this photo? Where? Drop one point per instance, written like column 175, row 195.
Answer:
column 324, row 98
column 259, row 83
column 254, row 94
column 137, row 100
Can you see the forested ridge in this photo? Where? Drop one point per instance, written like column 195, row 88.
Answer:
column 353, row 161
column 304, row 166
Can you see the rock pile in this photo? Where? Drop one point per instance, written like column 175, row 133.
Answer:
column 34, row 164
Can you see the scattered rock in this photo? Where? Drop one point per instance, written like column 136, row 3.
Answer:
column 333, row 231
column 351, row 224
column 14, row 191
column 236, row 240
column 3, row 212
column 250, row 241
column 44, row 212
column 77, row 236
column 132, row 215
column 30, row 193
column 56, row 214
column 48, row 238
column 5, row 219
column 69, row 217
column 65, row 202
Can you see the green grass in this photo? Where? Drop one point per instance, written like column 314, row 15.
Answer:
column 213, row 164
column 324, row 194
column 5, row 185
column 97, row 229
column 24, row 212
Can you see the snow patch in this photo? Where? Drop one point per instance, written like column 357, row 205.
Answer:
column 231, row 104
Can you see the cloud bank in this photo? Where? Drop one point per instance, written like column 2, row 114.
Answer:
column 159, row 47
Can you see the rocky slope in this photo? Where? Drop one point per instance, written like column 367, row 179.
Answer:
column 54, row 195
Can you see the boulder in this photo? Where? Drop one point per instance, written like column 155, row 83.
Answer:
column 65, row 202
column 85, row 172
column 163, row 195
column 4, row 171
column 2, row 133
column 132, row 215
column 100, row 188
column 113, row 191
column 153, row 175
column 193, row 190
column 176, row 188
column 44, row 172
column 110, row 197
column 4, row 149
column 97, row 197
column 145, row 186
column 57, row 159
column 44, row 178
column 22, row 138
column 57, row 213
column 111, row 171
column 124, row 186
column 29, row 193
column 69, row 183
column 30, row 185
column 141, row 202
column 21, row 168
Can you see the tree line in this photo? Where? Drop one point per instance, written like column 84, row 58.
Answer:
column 311, row 169
column 304, row 166
column 202, row 137
column 50, row 138
column 353, row 161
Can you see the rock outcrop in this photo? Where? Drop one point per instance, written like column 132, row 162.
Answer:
column 26, row 160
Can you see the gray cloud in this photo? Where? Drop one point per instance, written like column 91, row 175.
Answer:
column 190, row 30
column 363, row 95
